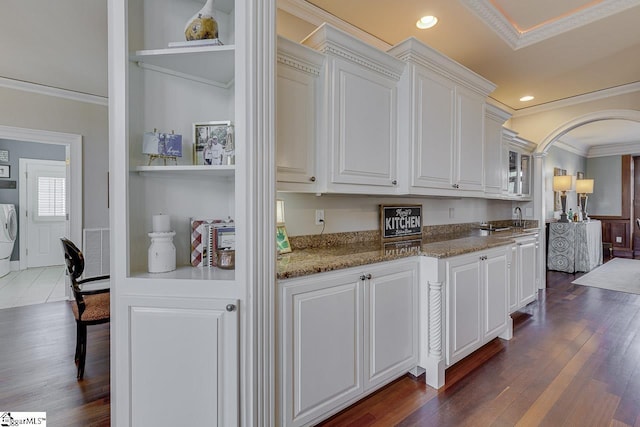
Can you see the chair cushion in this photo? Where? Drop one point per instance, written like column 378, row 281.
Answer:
column 97, row 307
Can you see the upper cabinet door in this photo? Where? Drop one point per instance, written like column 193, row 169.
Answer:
column 297, row 115
column 359, row 130
column 432, row 149
column 470, row 140
column 362, row 119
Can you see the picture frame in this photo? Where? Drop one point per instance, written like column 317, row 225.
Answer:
column 4, row 155
column 282, row 240
column 212, row 142
column 579, row 175
column 5, row 171
column 400, row 221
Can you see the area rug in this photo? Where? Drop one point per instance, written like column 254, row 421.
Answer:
column 619, row 274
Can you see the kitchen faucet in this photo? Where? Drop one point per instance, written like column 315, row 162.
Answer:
column 518, row 211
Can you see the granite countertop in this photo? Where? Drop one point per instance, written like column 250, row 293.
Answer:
column 303, row 262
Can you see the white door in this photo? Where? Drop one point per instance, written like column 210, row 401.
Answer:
column 46, row 211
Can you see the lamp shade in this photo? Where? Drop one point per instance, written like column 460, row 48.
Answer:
column 584, row 186
column 280, row 211
column 562, row 183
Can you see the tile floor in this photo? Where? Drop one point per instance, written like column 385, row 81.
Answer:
column 32, row 286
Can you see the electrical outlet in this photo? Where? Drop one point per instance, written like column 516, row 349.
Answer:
column 319, row 216
column 618, row 239
column 452, row 213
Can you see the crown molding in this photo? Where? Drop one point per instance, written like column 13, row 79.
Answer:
column 316, row 16
column 574, row 100
column 517, row 39
column 53, row 91
column 572, row 148
column 335, row 42
column 615, row 149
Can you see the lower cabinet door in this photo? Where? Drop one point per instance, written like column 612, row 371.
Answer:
column 391, row 317
column 496, row 289
column 527, row 259
column 464, row 295
column 194, row 345
column 321, row 344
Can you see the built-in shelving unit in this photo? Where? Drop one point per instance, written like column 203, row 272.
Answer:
column 156, row 316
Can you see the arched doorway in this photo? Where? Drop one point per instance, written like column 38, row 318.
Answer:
column 539, row 156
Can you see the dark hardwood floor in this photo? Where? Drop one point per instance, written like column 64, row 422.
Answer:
column 574, row 361
column 37, row 372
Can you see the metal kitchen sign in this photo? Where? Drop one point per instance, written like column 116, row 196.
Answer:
column 400, row 221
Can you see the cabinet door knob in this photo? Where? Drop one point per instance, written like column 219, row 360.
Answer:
column 369, row 276
column 455, row 185
column 394, row 182
column 362, row 277
column 312, row 179
column 231, row 307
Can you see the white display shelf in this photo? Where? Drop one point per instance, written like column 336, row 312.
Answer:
column 207, row 64
column 219, row 171
column 189, row 273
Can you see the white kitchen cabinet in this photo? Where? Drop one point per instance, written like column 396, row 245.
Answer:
column 391, row 315
column 463, row 305
column 176, row 340
column 494, row 172
column 442, row 113
column 469, row 167
column 342, row 335
column 517, row 166
column 523, row 279
column 167, row 362
column 297, row 116
column 477, row 290
column 359, row 114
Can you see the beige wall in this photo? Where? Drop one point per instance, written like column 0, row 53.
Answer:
column 34, row 111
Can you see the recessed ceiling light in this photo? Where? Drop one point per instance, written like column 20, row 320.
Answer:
column 426, row 22
column 526, row 98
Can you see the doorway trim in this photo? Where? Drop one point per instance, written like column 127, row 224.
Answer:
column 73, row 155
column 541, row 152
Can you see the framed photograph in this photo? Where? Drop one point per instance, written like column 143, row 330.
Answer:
column 162, row 144
column 5, row 171
column 282, row 240
column 210, row 141
column 579, row 175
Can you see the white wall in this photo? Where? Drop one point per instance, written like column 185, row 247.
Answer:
column 360, row 213
column 43, row 112
column 606, row 199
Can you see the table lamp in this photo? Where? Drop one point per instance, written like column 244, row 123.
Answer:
column 584, row 187
column 562, row 183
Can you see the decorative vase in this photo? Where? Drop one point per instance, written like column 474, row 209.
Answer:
column 202, row 25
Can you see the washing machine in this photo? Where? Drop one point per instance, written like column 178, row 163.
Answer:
column 8, row 233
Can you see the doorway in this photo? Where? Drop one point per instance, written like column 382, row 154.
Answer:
column 72, row 145
column 44, row 215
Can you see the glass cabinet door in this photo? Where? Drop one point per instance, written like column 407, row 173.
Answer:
column 513, row 173
column 525, row 174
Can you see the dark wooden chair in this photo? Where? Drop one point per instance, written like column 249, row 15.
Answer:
column 91, row 307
